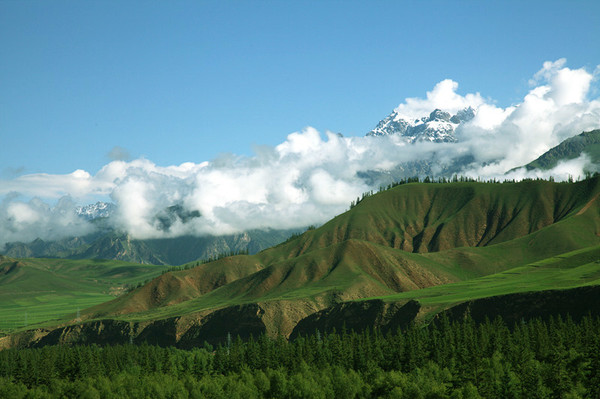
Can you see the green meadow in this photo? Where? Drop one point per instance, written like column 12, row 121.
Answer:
column 39, row 290
column 570, row 270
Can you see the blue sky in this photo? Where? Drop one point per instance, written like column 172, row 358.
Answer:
column 185, row 81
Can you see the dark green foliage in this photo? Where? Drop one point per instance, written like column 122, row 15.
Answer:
column 467, row 179
column 207, row 260
column 554, row 359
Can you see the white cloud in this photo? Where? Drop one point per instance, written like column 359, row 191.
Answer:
column 549, row 69
column 489, row 117
column 310, row 177
column 573, row 168
column 443, row 96
column 566, row 85
column 78, row 183
column 26, row 221
column 552, row 111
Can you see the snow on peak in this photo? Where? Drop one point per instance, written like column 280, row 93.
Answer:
column 438, row 126
column 97, row 210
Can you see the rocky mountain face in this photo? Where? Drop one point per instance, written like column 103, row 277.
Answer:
column 437, row 127
column 108, row 243
column 161, row 251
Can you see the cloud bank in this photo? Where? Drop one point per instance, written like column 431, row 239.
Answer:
column 310, row 177
column 28, row 220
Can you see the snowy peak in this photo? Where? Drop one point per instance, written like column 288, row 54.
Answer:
column 97, row 210
column 438, row 127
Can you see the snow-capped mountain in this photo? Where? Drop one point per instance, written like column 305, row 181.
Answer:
column 97, row 210
column 438, row 127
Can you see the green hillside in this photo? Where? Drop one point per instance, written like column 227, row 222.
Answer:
column 402, row 240
column 36, row 290
column 586, row 142
column 569, row 270
column 435, row 217
column 440, row 244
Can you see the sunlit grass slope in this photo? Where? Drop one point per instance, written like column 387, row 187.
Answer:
column 573, row 269
column 36, row 290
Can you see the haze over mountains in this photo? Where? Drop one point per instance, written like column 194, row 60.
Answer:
column 110, row 244
column 311, row 177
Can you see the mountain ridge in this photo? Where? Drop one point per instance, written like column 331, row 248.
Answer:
column 359, row 255
column 351, row 257
column 437, row 127
column 110, row 244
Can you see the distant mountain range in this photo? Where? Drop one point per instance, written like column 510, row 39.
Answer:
column 438, row 127
column 106, row 243
column 110, row 244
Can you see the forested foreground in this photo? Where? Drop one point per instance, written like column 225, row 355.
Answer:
column 554, row 359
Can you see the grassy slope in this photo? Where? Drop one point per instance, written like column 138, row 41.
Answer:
column 481, row 229
column 588, row 142
column 36, row 290
column 434, row 217
column 569, row 270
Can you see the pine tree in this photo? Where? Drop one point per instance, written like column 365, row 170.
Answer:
column 593, row 376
